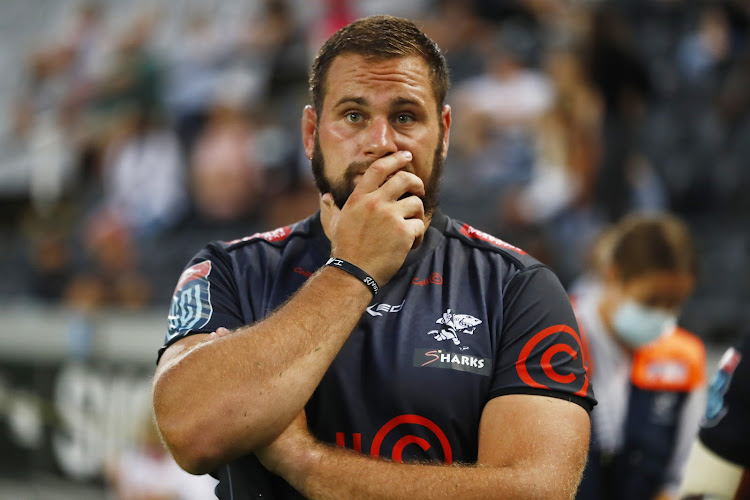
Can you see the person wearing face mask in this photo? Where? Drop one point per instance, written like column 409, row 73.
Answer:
column 648, row 372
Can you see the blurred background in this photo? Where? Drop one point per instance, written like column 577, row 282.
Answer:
column 134, row 132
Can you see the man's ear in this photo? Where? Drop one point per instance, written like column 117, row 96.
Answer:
column 445, row 116
column 309, row 128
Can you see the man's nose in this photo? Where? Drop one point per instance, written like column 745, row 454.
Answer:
column 380, row 138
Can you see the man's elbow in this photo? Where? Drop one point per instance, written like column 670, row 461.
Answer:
column 203, row 433
column 194, row 460
column 193, row 450
column 187, row 436
column 200, row 441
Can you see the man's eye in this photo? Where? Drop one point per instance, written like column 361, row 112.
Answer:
column 403, row 119
column 354, row 117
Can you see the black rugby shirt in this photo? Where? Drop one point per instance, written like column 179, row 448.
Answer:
column 467, row 318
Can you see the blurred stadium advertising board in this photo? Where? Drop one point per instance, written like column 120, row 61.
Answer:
column 72, row 391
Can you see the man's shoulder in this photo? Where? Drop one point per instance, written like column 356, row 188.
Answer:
column 278, row 235
column 274, row 238
column 472, row 237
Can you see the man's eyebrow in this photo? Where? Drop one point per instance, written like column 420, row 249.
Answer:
column 405, row 101
column 395, row 102
column 361, row 101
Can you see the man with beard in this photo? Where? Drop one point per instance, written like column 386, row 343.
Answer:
column 378, row 348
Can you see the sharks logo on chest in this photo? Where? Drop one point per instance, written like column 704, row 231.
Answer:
column 453, row 325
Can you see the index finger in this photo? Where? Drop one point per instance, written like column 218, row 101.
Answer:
column 377, row 173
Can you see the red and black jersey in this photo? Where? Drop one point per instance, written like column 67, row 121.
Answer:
column 466, row 319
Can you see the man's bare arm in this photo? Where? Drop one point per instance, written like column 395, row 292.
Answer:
column 219, row 399
column 530, row 447
column 216, row 400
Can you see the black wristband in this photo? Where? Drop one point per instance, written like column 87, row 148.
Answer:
column 356, row 272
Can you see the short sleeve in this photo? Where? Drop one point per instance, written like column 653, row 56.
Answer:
column 205, row 297
column 540, row 350
column 725, row 429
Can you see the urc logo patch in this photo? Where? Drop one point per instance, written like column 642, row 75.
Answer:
column 191, row 303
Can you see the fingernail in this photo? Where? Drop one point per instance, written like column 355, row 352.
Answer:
column 407, row 155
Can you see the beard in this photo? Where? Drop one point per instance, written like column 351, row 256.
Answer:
column 342, row 189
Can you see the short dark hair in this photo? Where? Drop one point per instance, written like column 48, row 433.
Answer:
column 379, row 37
column 645, row 243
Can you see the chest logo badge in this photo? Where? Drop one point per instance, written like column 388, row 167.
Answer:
column 453, row 324
column 379, row 308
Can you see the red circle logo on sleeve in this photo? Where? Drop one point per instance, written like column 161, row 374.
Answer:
column 560, row 348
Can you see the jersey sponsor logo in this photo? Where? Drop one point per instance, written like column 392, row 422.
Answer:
column 277, row 234
column 716, row 406
column 379, row 308
column 560, row 352
column 390, row 436
column 437, row 358
column 476, row 234
column 191, row 302
column 453, row 324
column 434, row 279
column 299, row 270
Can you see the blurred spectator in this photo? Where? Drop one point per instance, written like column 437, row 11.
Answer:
column 50, row 265
column 148, row 472
column 87, row 45
column 45, row 112
column 133, row 81
column 281, row 42
column 521, row 11
column 194, row 71
column 648, row 372
column 458, row 30
column 333, row 15
column 226, row 179
column 512, row 93
column 493, row 134
column 625, row 181
column 558, row 198
column 143, row 175
column 109, row 275
column 62, row 72
column 130, row 83
column 39, row 125
column 706, row 47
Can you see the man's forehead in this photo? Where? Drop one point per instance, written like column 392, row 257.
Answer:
column 353, row 76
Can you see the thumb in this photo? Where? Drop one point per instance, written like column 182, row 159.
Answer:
column 327, row 200
column 329, row 205
column 329, row 213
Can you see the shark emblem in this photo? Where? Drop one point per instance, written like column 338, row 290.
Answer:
column 453, row 325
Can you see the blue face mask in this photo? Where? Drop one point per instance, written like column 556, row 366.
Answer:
column 637, row 325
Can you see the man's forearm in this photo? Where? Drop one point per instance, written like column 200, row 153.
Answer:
column 243, row 390
column 323, row 471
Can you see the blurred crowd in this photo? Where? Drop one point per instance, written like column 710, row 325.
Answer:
column 146, row 136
